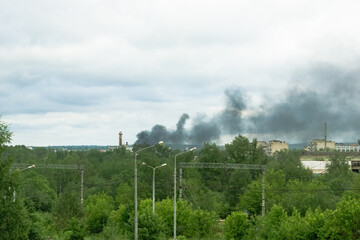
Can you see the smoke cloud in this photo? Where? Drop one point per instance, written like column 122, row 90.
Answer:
column 321, row 94
column 328, row 94
column 203, row 130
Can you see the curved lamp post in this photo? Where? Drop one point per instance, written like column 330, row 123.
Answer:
column 135, row 186
column 153, row 184
column 192, row 149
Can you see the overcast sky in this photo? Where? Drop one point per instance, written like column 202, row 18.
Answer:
column 78, row 72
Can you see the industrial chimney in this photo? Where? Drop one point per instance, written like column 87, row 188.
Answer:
column 120, row 139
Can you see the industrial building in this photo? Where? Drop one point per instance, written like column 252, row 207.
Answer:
column 273, row 146
column 316, row 161
column 320, row 145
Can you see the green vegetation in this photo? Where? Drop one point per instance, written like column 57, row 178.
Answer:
column 217, row 203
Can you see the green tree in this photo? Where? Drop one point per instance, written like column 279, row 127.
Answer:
column 125, row 194
column 98, row 208
column 13, row 215
column 66, row 207
column 202, row 224
column 304, row 196
column 236, row 225
column 150, row 226
column 272, row 222
column 344, row 221
column 289, row 162
column 75, row 230
column 240, row 150
column 338, row 176
column 37, row 192
column 117, row 222
column 251, row 200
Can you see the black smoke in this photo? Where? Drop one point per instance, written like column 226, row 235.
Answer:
column 204, row 129
column 323, row 93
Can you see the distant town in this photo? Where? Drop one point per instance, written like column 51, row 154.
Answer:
column 315, row 155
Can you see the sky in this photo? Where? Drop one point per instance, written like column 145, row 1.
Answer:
column 78, row 72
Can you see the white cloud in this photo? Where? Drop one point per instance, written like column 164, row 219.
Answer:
column 137, row 63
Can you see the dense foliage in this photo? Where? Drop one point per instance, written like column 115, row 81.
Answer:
column 216, row 203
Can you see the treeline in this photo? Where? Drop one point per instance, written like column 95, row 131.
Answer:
column 215, row 203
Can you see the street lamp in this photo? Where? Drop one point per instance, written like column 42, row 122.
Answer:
column 32, row 166
column 135, row 186
column 14, row 192
column 192, row 149
column 153, row 185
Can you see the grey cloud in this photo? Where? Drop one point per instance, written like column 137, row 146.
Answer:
column 53, row 96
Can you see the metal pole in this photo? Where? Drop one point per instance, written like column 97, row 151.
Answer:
column 82, row 187
column 192, row 149
column 135, row 187
column 153, row 203
column 263, row 194
column 180, row 183
column 153, row 188
column 136, row 208
column 175, row 197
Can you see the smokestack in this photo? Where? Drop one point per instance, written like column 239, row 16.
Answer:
column 120, row 139
column 325, row 136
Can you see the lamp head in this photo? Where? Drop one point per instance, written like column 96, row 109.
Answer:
column 161, row 143
column 193, row 149
column 164, row 164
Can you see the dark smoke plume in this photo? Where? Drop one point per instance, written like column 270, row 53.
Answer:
column 230, row 118
column 330, row 95
column 228, row 121
column 322, row 94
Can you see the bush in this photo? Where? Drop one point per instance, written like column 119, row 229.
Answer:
column 150, row 226
column 236, row 225
column 98, row 208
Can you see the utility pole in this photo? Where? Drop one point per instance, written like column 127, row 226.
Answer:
column 180, row 183
column 82, row 187
column 263, row 194
column 136, row 230
column 192, row 149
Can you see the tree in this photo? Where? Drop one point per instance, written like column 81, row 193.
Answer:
column 240, row 150
column 5, row 135
column 67, row 206
column 339, row 175
column 37, row 192
column 13, row 215
column 251, row 200
column 305, row 196
column 98, row 208
column 235, row 225
column 344, row 221
column 289, row 162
